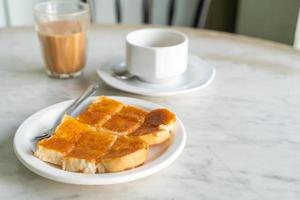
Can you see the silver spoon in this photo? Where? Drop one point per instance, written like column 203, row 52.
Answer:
column 88, row 92
column 120, row 72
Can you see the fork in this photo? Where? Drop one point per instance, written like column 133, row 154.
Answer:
column 88, row 92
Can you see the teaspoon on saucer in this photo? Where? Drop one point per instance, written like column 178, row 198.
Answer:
column 120, row 72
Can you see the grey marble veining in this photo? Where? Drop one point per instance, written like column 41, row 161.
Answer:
column 243, row 138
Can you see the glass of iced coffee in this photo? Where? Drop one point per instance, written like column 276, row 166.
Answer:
column 62, row 30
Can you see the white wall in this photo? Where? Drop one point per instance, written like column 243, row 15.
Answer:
column 2, row 14
column 160, row 11
column 104, row 11
column 184, row 12
column 19, row 12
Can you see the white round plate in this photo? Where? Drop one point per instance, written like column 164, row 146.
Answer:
column 159, row 156
column 198, row 75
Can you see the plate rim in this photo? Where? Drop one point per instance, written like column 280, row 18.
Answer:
column 170, row 155
column 165, row 93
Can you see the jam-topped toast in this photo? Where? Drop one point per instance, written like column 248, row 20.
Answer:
column 108, row 136
column 100, row 111
column 127, row 152
column 63, row 140
column 156, row 127
column 125, row 121
column 89, row 148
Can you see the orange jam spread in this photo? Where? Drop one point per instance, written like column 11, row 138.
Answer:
column 158, row 117
column 92, row 145
column 127, row 120
column 65, row 135
column 153, row 120
column 71, row 129
column 57, row 144
column 133, row 112
column 143, row 130
column 100, row 111
column 124, row 146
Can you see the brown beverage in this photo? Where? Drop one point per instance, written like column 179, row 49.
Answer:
column 63, row 45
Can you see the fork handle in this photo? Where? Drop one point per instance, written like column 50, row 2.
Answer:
column 88, row 92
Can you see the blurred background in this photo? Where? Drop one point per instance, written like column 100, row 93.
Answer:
column 274, row 20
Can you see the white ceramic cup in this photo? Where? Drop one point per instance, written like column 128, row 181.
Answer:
column 156, row 55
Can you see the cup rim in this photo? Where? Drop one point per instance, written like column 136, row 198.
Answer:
column 84, row 5
column 185, row 38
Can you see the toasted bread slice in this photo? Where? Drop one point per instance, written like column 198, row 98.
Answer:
column 71, row 129
column 127, row 152
column 125, row 121
column 90, row 147
column 156, row 127
column 53, row 149
column 100, row 111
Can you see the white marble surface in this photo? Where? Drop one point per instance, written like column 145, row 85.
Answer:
column 243, row 130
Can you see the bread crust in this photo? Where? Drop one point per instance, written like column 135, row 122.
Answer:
column 118, row 164
column 127, row 152
column 154, row 138
column 49, row 155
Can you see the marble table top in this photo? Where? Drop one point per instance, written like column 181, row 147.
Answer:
column 243, row 138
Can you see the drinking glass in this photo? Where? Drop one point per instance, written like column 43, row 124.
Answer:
column 62, row 31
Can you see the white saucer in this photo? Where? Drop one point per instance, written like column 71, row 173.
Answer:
column 158, row 158
column 198, row 75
